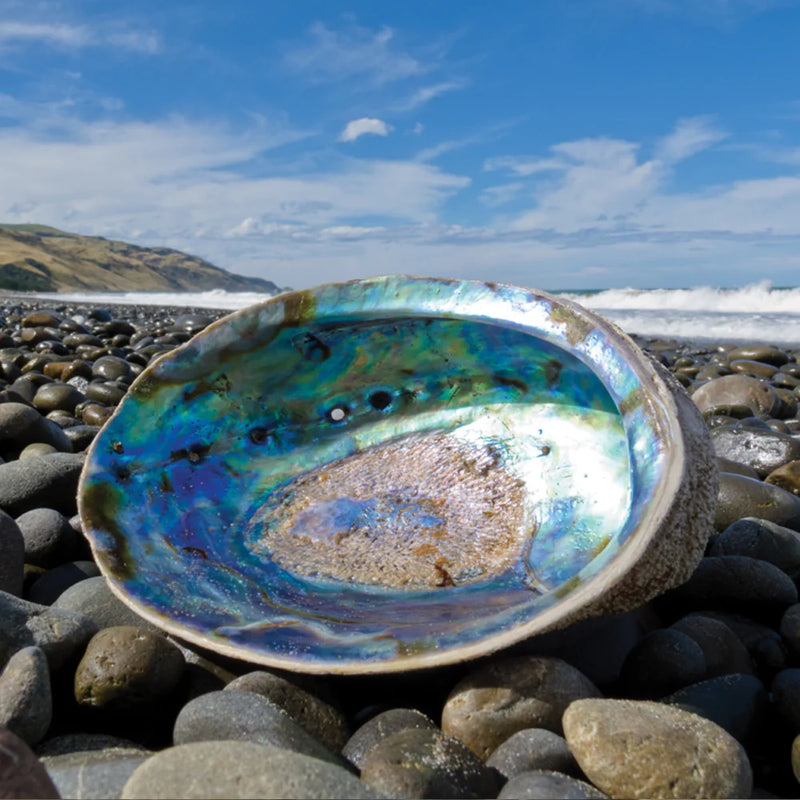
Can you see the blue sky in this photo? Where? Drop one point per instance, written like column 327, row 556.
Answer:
column 553, row 143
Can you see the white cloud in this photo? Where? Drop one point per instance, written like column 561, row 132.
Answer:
column 328, row 55
column 362, row 127
column 418, row 128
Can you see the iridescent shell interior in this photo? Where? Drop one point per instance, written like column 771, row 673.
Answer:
column 378, row 475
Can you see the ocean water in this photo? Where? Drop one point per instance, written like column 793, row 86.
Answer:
column 755, row 313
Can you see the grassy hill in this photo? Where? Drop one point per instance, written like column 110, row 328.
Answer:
column 37, row 258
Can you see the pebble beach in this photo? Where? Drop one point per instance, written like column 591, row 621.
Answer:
column 695, row 694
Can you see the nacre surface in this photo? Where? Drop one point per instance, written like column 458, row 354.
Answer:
column 395, row 473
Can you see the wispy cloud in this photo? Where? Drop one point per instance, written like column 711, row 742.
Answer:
column 70, row 36
column 690, row 137
column 425, row 94
column 362, row 127
column 327, row 55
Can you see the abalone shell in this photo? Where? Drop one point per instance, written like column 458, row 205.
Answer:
column 396, row 473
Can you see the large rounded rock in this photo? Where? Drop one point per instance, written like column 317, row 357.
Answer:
column 49, row 538
column 94, row 774
column 41, row 482
column 380, row 727
column 508, row 695
column 548, row 785
column 761, row 539
column 737, row 390
column 26, row 705
column 240, row 770
column 318, row 717
column 735, row 583
column 424, row 762
column 60, row 634
column 12, row 555
column 125, row 667
column 636, row 749
column 21, row 425
column 723, row 650
column 244, row 716
column 533, row 749
column 21, row 773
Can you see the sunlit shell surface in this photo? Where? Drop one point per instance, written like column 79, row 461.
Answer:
column 396, row 473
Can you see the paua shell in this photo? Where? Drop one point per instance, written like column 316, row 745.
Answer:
column 397, row 473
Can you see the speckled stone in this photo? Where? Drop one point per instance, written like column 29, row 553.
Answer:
column 764, row 451
column 26, row 705
column 319, row 718
column 22, row 775
column 240, row 770
column 762, row 539
column 424, row 762
column 60, row 634
column 248, row 717
column 49, row 538
column 94, row 774
column 125, row 667
column 642, row 749
column 548, row 785
column 381, row 726
column 507, row 695
column 533, row 749
column 82, row 742
column 12, row 555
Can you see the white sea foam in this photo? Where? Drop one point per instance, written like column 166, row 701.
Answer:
column 753, row 313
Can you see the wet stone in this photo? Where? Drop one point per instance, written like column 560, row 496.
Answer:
column 57, row 396
column 737, row 390
column 248, row 717
column 12, row 555
column 744, row 497
column 318, row 717
column 638, row 749
column 787, row 476
column 81, row 436
column 507, row 695
column 737, row 703
column 380, row 727
column 424, row 762
column 548, row 785
column 762, row 539
column 533, row 749
column 764, row 451
column 22, row 775
column 105, row 392
column 726, row 465
column 49, row 538
column 26, row 705
column 665, row 660
column 761, row 353
column 240, row 770
column 126, row 667
column 112, row 368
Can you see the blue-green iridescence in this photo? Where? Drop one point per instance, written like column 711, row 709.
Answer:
column 193, row 467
